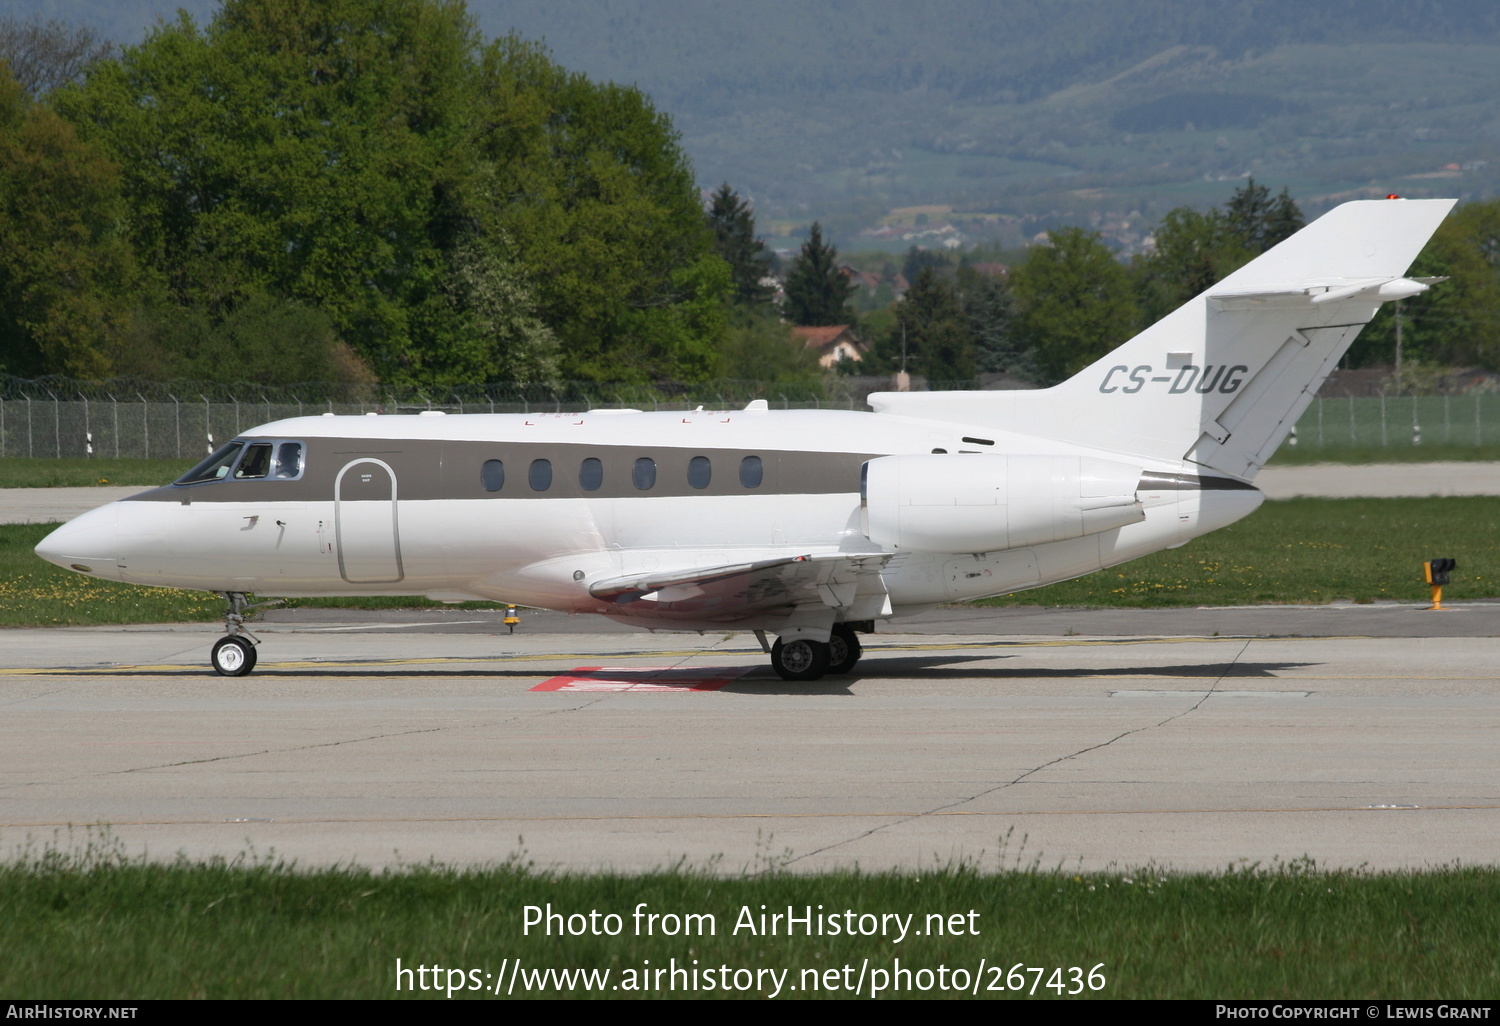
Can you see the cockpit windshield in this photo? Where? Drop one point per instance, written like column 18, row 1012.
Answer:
column 242, row 460
column 216, row 467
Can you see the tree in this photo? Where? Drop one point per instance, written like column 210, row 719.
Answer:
column 989, row 306
column 733, row 225
column 376, row 161
column 493, row 289
column 918, row 258
column 930, row 334
column 265, row 339
column 315, row 152
column 1456, row 322
column 1195, row 251
column 1258, row 221
column 817, row 293
column 761, row 347
column 1074, row 303
column 591, row 184
column 66, row 273
column 46, row 54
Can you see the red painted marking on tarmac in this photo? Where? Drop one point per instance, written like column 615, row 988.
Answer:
column 643, row 678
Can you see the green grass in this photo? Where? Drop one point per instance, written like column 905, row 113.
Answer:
column 1301, row 455
column 35, row 593
column 97, row 924
column 1293, row 551
column 1305, row 550
column 23, row 472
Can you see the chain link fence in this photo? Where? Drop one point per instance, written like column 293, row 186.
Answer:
column 59, row 417
column 62, row 418
column 1399, row 421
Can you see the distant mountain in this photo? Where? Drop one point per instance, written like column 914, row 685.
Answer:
column 1058, row 110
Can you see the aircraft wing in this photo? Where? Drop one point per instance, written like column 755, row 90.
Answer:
column 849, row 582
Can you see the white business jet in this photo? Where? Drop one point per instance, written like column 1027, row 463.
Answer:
column 808, row 525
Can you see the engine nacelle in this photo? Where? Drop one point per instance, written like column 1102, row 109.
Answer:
column 986, row 503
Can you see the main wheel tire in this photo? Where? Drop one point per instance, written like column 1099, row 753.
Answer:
column 232, row 657
column 799, row 659
column 844, row 649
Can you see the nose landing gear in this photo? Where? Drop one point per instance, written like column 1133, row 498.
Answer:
column 234, row 654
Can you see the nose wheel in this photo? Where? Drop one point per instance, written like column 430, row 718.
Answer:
column 233, row 656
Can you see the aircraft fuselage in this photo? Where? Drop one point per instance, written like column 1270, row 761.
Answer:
column 534, row 509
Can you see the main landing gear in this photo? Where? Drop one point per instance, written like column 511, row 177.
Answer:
column 234, row 654
column 801, row 659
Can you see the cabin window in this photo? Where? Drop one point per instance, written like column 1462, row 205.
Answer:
column 700, row 471
column 216, row 467
column 591, row 475
column 540, row 475
column 492, row 475
column 256, row 462
column 643, row 474
column 289, row 460
column 752, row 472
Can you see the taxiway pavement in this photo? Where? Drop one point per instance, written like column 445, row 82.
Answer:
column 1192, row 739
column 391, row 742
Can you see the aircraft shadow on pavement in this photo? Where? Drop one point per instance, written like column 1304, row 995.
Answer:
column 757, row 680
column 938, row 667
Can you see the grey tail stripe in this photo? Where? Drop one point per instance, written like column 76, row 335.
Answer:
column 1153, row 481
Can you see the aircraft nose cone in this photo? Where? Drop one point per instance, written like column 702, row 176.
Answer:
column 86, row 543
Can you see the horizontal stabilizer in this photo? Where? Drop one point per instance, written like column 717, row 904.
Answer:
column 1317, row 293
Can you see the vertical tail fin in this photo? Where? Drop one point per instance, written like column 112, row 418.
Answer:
column 1222, row 379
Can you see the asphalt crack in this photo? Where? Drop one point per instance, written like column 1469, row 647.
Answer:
column 960, row 802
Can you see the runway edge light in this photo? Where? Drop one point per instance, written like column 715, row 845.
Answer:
column 1436, row 572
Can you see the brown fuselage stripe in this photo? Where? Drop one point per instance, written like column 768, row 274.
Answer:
column 447, row 469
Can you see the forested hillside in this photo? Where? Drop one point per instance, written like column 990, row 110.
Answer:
column 388, row 190
column 838, row 111
column 301, row 192
column 1050, row 109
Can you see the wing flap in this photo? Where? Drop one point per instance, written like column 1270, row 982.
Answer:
column 840, row 580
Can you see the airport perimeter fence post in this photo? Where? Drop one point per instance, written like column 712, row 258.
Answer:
column 1370, row 425
column 127, row 435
